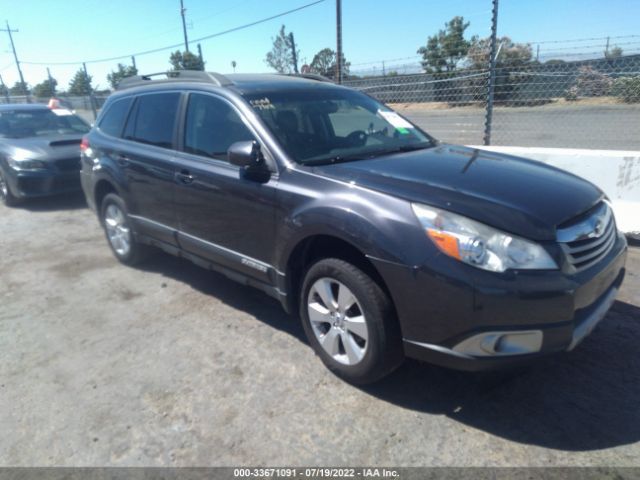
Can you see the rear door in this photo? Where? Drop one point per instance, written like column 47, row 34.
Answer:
column 147, row 160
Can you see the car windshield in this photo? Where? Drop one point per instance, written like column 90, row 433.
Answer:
column 328, row 125
column 37, row 123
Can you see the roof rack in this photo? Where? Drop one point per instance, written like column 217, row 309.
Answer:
column 310, row 76
column 175, row 76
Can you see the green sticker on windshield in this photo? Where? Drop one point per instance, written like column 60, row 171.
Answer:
column 403, row 131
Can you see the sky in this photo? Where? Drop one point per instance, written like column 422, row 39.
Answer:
column 373, row 31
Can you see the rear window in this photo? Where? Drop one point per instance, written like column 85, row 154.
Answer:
column 153, row 118
column 26, row 123
column 112, row 122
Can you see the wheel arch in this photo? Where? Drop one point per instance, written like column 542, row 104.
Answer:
column 315, row 247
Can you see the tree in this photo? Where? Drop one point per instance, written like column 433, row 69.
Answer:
column 615, row 52
column 80, row 84
column 281, row 56
column 324, row 63
column 19, row 88
column 3, row 90
column 185, row 61
column 123, row 71
column 510, row 55
column 447, row 48
column 46, row 88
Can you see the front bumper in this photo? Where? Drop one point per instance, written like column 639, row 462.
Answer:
column 453, row 316
column 39, row 183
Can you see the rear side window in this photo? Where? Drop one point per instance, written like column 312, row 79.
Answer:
column 113, row 120
column 211, row 126
column 153, row 119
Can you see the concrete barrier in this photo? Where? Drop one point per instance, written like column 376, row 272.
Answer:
column 616, row 172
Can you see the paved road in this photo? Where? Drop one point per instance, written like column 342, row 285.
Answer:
column 615, row 127
column 169, row 364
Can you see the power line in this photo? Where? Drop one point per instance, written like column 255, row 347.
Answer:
column 177, row 45
column 583, row 39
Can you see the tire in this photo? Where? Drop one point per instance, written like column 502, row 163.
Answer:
column 6, row 196
column 360, row 332
column 114, row 218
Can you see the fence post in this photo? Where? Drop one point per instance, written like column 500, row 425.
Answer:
column 91, row 99
column 492, row 75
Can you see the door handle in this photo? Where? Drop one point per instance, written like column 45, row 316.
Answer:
column 184, row 176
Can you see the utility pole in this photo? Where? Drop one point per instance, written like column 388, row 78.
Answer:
column 6, row 90
column 91, row 99
column 606, row 49
column 294, row 54
column 200, row 55
column 51, row 86
column 492, row 75
column 15, row 55
column 538, row 53
column 339, row 41
column 184, row 26
column 133, row 62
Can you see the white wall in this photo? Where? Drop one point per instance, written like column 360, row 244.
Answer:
column 616, row 172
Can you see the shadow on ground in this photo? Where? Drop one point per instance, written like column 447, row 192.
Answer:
column 71, row 201
column 588, row 399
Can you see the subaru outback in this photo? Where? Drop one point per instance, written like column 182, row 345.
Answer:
column 386, row 243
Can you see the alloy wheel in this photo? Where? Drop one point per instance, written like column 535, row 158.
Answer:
column 338, row 321
column 118, row 231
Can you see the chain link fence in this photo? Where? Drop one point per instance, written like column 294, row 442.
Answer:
column 567, row 104
column 570, row 104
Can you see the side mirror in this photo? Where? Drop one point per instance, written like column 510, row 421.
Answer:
column 245, row 155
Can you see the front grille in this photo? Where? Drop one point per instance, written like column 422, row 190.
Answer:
column 68, row 164
column 588, row 239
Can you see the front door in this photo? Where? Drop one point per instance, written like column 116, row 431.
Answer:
column 223, row 216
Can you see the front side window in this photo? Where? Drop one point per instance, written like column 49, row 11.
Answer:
column 113, row 120
column 325, row 125
column 153, row 119
column 26, row 123
column 212, row 126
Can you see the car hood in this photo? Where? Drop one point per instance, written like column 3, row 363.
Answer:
column 42, row 148
column 514, row 194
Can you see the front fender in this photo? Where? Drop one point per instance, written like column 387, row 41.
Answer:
column 378, row 225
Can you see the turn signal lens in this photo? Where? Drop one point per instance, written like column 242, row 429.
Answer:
column 445, row 242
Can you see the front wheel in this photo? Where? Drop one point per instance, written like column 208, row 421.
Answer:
column 6, row 197
column 119, row 233
column 350, row 322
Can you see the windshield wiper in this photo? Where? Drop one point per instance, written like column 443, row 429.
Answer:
column 367, row 155
column 401, row 149
column 332, row 160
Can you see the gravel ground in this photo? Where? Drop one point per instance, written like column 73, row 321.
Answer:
column 169, row 364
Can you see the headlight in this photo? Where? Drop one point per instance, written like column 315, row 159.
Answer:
column 480, row 245
column 26, row 164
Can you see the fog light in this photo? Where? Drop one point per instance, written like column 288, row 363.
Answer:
column 493, row 344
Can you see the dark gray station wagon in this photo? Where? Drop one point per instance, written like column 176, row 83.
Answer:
column 385, row 242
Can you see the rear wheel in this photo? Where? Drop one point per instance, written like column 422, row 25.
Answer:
column 350, row 321
column 117, row 227
column 6, row 197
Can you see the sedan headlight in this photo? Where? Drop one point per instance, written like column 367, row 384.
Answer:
column 26, row 164
column 479, row 245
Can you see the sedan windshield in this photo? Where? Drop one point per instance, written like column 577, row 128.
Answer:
column 37, row 123
column 328, row 125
